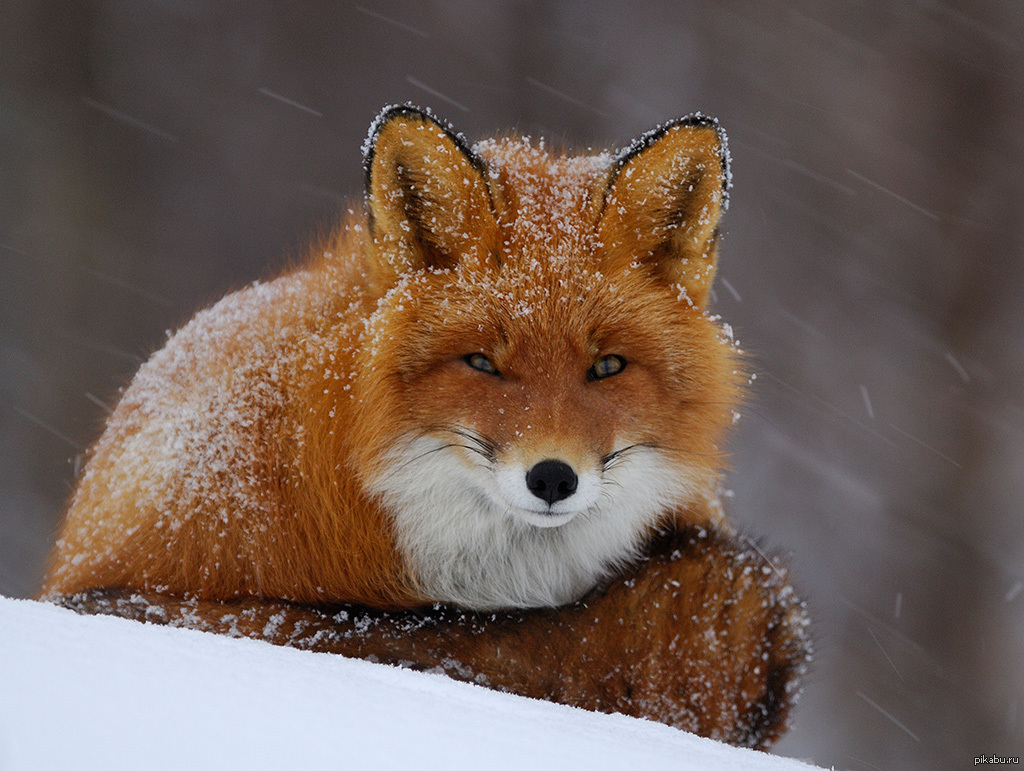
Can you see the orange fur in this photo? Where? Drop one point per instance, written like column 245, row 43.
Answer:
column 242, row 461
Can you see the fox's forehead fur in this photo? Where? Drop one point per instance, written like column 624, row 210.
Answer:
column 545, row 203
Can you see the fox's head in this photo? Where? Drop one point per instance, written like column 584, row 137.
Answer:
column 541, row 383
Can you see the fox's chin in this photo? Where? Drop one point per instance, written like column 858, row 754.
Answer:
column 544, row 519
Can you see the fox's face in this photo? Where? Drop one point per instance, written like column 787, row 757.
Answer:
column 546, row 385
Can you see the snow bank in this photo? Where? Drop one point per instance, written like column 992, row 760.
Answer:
column 92, row 692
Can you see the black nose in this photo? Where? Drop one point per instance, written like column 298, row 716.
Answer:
column 551, row 481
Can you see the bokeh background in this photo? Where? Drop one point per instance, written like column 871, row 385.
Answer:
column 154, row 155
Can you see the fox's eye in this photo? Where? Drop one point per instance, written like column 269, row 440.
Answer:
column 481, row 362
column 606, row 366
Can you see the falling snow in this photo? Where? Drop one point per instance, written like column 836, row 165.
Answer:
column 871, row 251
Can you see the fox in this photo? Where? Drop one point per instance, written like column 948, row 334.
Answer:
column 488, row 389
column 477, row 430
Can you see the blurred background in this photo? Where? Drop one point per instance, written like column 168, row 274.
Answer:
column 154, row 155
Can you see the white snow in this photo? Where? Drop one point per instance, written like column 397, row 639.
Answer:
column 92, row 692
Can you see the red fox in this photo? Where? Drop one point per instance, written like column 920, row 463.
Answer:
column 500, row 390
column 488, row 390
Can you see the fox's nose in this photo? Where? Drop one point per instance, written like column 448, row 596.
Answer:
column 551, row 481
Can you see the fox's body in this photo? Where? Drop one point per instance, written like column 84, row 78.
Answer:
column 488, row 391
column 494, row 390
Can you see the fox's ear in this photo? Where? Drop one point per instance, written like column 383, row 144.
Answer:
column 428, row 200
column 662, row 203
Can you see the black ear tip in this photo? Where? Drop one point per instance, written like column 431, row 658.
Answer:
column 709, row 121
column 408, row 109
column 693, row 120
column 422, row 114
column 385, row 116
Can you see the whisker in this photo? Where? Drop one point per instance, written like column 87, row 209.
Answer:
column 430, row 452
column 616, row 457
column 484, row 446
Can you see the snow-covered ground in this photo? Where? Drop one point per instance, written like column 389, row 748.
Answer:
column 91, row 692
